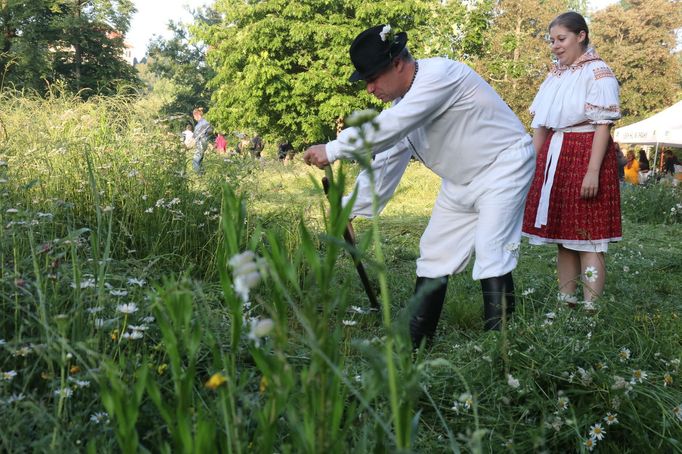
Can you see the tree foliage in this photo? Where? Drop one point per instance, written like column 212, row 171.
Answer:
column 182, row 61
column 282, row 65
column 637, row 39
column 517, row 55
column 77, row 42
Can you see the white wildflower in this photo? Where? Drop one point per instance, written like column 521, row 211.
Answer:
column 259, row 329
column 133, row 335
column 611, row 418
column 638, row 376
column 138, row 327
column 591, row 274
column 349, row 322
column 138, row 282
column 467, row 400
column 11, row 211
column 116, row 292
column 63, row 392
column 528, row 291
column 100, row 417
column 360, row 117
column 129, row 308
column 624, row 354
column 15, row 398
column 597, row 431
column 85, row 283
column 9, row 375
column 513, row 382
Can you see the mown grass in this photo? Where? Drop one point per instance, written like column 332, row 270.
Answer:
column 99, row 209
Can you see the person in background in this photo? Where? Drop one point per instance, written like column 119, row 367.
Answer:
column 284, row 150
column 188, row 136
column 202, row 130
column 643, row 161
column 622, row 160
column 220, row 144
column 631, row 169
column 574, row 201
column 256, row 146
column 669, row 162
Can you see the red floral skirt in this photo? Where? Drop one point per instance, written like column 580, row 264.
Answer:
column 572, row 219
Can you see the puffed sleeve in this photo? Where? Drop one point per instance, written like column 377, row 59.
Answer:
column 602, row 105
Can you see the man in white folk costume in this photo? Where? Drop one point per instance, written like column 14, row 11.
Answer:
column 450, row 119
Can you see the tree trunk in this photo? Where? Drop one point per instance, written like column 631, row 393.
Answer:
column 78, row 52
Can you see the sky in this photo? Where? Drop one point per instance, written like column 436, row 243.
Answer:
column 152, row 18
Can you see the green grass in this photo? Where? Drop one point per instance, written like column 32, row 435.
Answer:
column 99, row 208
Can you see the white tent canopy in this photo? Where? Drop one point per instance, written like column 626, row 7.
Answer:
column 663, row 128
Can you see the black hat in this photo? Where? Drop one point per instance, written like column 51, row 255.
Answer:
column 373, row 50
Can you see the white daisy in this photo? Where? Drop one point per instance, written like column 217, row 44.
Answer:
column 129, row 308
column 611, row 418
column 591, row 274
column 597, row 431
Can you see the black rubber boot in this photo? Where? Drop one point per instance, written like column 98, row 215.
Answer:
column 498, row 300
column 430, row 294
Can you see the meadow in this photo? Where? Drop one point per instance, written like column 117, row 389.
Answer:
column 144, row 308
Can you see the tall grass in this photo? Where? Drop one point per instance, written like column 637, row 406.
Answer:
column 145, row 308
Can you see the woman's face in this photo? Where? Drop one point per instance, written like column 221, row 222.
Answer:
column 566, row 45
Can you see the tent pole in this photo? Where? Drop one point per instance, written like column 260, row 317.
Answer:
column 655, row 157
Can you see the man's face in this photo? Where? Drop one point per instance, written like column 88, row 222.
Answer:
column 385, row 85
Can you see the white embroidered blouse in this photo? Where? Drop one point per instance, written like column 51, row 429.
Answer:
column 586, row 91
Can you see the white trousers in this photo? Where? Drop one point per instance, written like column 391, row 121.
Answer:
column 483, row 217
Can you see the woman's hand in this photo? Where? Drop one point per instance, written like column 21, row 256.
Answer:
column 590, row 186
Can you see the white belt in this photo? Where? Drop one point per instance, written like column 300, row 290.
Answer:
column 550, row 168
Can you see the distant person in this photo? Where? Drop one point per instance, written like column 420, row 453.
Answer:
column 220, row 144
column 188, row 136
column 643, row 161
column 631, row 169
column 669, row 162
column 284, row 150
column 256, row 146
column 574, row 201
column 622, row 160
column 202, row 130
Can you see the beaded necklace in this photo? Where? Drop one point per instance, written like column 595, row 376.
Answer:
column 414, row 76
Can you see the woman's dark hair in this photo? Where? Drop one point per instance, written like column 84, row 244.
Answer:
column 573, row 22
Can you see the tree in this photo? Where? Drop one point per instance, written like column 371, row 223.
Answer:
column 282, row 65
column 637, row 38
column 517, row 56
column 79, row 42
column 88, row 53
column 182, row 61
column 25, row 32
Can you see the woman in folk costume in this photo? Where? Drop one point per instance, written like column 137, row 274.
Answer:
column 574, row 200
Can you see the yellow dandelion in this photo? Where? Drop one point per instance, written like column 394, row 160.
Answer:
column 114, row 335
column 216, row 381
column 162, row 369
column 74, row 370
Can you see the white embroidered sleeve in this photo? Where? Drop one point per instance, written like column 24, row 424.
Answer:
column 602, row 105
